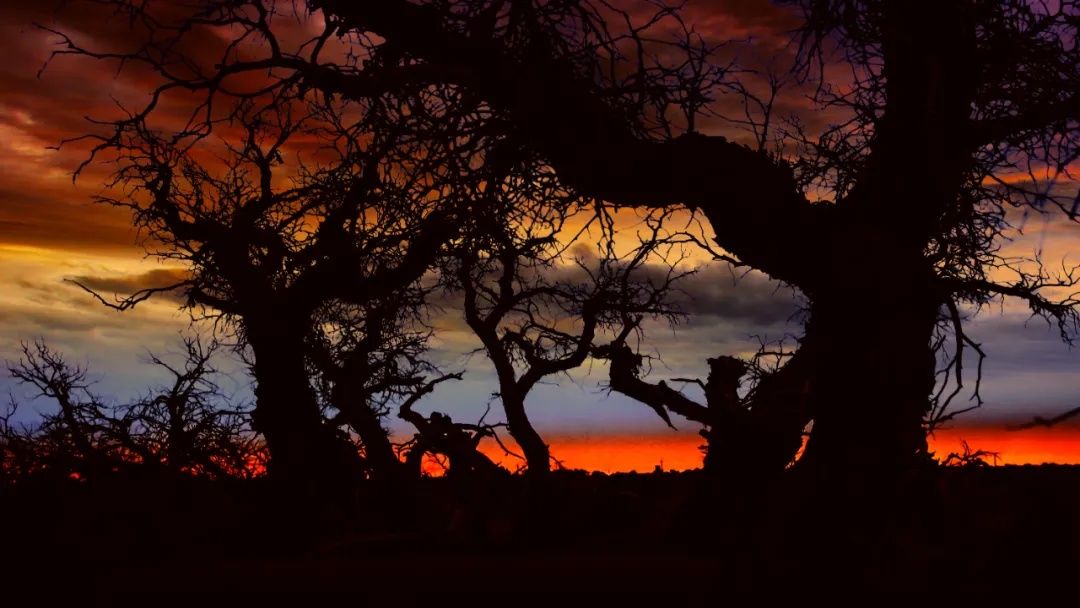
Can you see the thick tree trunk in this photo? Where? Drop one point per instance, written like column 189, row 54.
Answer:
column 760, row 438
column 756, row 438
column 873, row 368
column 305, row 453
column 871, row 365
column 378, row 451
column 440, row 435
column 379, row 454
column 537, row 455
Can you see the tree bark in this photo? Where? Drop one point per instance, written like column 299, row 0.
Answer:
column 537, row 454
column 874, row 302
column 305, row 453
column 351, row 399
column 873, row 364
column 758, row 438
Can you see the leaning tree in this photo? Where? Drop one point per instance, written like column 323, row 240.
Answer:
column 543, row 280
column 890, row 221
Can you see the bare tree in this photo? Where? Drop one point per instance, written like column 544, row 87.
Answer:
column 912, row 217
column 439, row 435
column 184, row 427
column 284, row 262
column 616, row 108
column 187, row 425
column 751, row 436
column 539, row 298
column 889, row 222
column 81, row 438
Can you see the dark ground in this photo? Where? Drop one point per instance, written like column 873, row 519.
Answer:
column 671, row 536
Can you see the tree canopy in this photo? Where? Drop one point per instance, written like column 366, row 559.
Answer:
column 951, row 118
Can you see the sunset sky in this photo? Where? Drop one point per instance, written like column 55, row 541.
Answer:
column 50, row 231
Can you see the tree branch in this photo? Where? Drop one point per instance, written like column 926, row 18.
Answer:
column 751, row 200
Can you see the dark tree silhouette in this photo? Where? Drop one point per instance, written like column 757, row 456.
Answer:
column 947, row 98
column 187, row 425
column 438, row 435
column 752, row 436
column 81, row 438
column 184, row 427
column 365, row 359
column 889, row 222
column 538, row 298
column 326, row 262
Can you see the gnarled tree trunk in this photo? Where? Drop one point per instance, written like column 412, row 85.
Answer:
column 860, row 261
column 351, row 398
column 755, row 438
column 304, row 451
column 537, row 454
column 873, row 366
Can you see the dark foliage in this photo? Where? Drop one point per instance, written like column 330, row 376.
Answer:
column 185, row 427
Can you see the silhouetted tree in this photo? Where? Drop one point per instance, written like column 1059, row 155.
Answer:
column 184, row 427
column 947, row 99
column 438, row 435
column 81, row 438
column 537, row 309
column 329, row 258
column 752, row 436
column 375, row 359
column 889, row 222
column 187, row 425
column 365, row 359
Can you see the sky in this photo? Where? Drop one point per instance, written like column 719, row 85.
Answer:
column 50, row 231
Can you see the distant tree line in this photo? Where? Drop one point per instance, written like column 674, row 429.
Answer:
column 183, row 427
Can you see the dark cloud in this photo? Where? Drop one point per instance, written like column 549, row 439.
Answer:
column 128, row 284
column 761, row 15
column 61, row 221
column 714, row 293
column 727, row 19
column 1017, row 342
column 39, row 205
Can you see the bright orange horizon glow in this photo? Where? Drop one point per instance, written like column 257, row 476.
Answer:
column 1058, row 445
column 616, row 453
column 680, row 451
